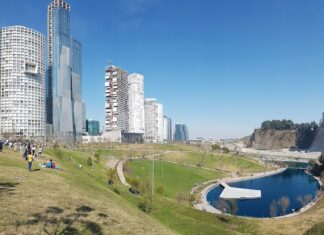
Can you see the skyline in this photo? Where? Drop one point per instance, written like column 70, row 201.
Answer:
column 228, row 44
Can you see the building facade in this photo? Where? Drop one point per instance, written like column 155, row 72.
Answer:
column 92, row 127
column 181, row 133
column 136, row 117
column 167, row 127
column 65, row 109
column 153, row 121
column 22, row 83
column 116, row 104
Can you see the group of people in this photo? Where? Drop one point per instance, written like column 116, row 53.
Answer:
column 50, row 164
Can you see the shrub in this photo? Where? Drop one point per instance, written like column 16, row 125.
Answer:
column 225, row 150
column 160, row 190
column 97, row 156
column 215, row 147
column 89, row 161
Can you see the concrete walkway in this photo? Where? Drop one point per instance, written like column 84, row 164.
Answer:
column 238, row 193
column 120, row 173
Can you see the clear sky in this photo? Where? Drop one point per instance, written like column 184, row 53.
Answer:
column 220, row 66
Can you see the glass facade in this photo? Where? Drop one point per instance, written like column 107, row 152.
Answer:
column 93, row 127
column 65, row 110
column 181, row 133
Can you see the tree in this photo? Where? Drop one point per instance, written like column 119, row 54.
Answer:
column 225, row 150
column 273, row 209
column 97, row 157
column 215, row 147
column 89, row 161
column 283, row 203
column 321, row 158
column 147, row 197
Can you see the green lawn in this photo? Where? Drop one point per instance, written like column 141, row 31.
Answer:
column 179, row 215
column 226, row 162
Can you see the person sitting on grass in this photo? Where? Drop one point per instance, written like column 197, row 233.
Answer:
column 49, row 164
column 30, row 161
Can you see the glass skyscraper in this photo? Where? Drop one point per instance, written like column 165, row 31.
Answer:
column 65, row 110
column 181, row 133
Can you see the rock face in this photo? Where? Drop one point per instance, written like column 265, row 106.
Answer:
column 273, row 139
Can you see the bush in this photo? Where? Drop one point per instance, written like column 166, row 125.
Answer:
column 133, row 182
column 145, row 206
column 160, row 190
column 97, row 156
column 89, row 161
column 225, row 150
column 215, row 147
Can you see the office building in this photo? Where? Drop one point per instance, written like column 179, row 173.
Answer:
column 92, row 127
column 65, row 109
column 153, row 121
column 116, row 93
column 136, row 103
column 181, row 133
column 167, row 127
column 22, row 80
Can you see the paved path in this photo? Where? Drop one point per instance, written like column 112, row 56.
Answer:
column 120, row 173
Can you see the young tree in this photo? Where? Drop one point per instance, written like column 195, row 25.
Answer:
column 97, row 157
column 273, row 209
column 233, row 208
column 146, row 192
column 284, row 203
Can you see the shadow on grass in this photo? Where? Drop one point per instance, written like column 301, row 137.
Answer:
column 7, row 187
column 58, row 222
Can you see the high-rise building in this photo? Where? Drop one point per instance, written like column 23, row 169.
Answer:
column 153, row 121
column 22, row 83
column 167, row 125
column 92, row 127
column 136, row 103
column 181, row 133
column 116, row 90
column 65, row 109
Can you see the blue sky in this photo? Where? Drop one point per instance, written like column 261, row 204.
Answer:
column 220, row 66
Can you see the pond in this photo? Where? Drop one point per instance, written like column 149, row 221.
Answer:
column 293, row 184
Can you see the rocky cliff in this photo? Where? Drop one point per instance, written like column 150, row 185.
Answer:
column 273, row 139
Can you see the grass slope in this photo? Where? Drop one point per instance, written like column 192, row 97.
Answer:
column 73, row 201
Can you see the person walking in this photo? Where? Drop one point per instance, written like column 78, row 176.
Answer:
column 30, row 161
column 1, row 146
column 34, row 149
column 25, row 155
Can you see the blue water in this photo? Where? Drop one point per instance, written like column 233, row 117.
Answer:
column 290, row 183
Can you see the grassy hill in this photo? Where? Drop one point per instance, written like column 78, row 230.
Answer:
column 78, row 200
column 72, row 201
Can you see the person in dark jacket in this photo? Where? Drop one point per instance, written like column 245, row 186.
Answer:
column 1, row 146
